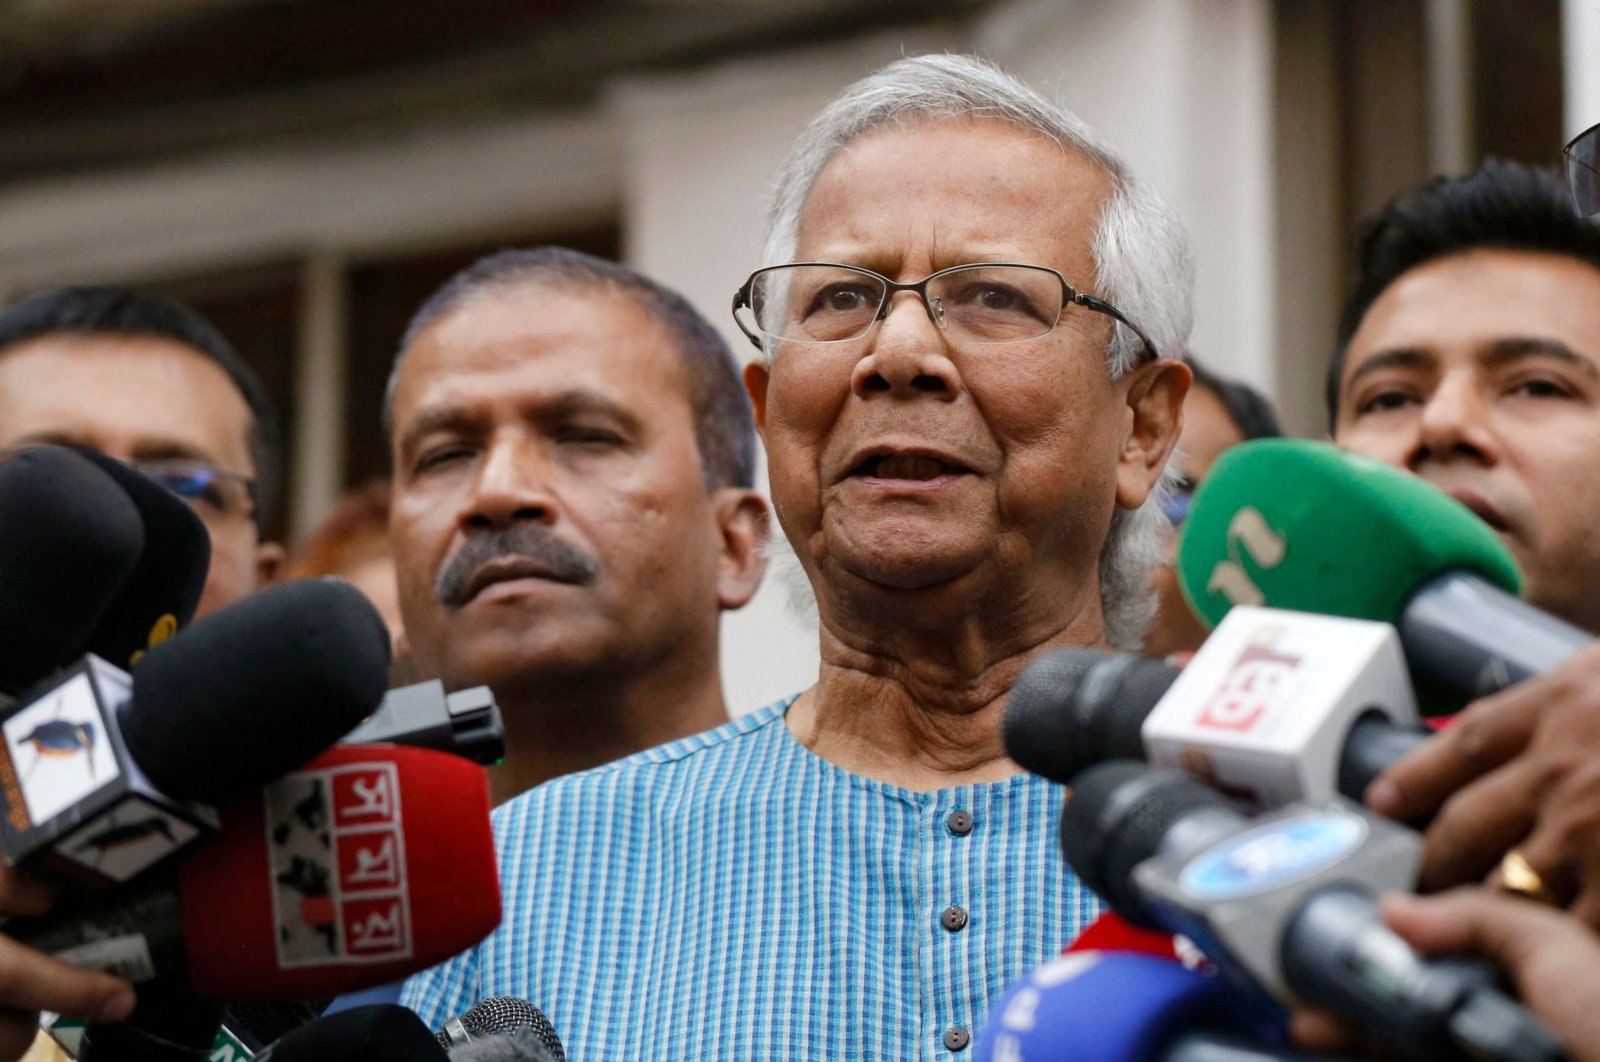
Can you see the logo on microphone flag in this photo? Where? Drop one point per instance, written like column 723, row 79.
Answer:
column 338, row 866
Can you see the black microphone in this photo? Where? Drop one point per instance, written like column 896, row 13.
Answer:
column 161, row 593
column 168, row 1024
column 511, row 1025
column 466, row 722
column 1288, row 902
column 379, row 1033
column 103, row 775
column 72, row 538
column 1074, row 708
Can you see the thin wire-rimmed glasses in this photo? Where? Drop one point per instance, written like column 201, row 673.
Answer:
column 1583, row 170
column 990, row 302
column 210, row 491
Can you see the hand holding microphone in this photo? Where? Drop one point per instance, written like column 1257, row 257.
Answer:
column 1552, row 960
column 1515, row 773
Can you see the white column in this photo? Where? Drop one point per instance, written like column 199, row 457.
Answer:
column 318, row 443
column 1450, row 135
column 1580, row 48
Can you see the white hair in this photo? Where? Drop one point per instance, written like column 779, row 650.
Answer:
column 1143, row 263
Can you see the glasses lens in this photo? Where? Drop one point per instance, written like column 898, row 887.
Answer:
column 815, row 303
column 1175, row 506
column 994, row 304
column 1583, row 171
column 201, row 486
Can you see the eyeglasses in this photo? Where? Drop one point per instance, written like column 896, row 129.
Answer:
column 820, row 302
column 209, row 491
column 1583, row 171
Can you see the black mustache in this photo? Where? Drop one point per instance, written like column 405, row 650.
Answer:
column 565, row 562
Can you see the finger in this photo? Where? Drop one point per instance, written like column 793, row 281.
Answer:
column 1316, row 1029
column 33, row 981
column 24, row 894
column 1473, row 920
column 1478, row 825
column 1484, row 736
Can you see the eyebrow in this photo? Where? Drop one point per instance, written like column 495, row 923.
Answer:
column 1394, row 358
column 1506, row 351
column 544, row 409
column 153, row 450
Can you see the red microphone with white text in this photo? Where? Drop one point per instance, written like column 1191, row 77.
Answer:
column 368, row 864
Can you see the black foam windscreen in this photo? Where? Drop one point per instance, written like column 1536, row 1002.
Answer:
column 1073, row 708
column 379, row 1033
column 69, row 539
column 161, row 593
column 1117, row 816
column 256, row 689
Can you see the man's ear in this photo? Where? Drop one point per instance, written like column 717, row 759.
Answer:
column 744, row 523
column 271, row 563
column 1155, row 418
column 756, row 378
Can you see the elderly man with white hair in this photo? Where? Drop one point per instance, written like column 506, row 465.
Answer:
column 967, row 413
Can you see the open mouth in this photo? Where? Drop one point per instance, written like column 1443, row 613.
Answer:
column 906, row 466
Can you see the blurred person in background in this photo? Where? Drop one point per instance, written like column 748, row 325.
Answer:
column 1217, row 413
column 150, row 382
column 353, row 543
column 1469, row 354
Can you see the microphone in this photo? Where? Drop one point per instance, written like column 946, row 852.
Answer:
column 161, row 593
column 510, row 1028
column 522, row 1045
column 1120, row 1007
column 1288, row 902
column 73, row 537
column 380, row 1033
column 466, row 722
column 102, row 775
column 366, row 865
column 1275, row 707
column 1426, row 563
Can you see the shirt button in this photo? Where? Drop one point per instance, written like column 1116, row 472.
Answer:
column 960, row 823
column 956, row 1038
column 953, row 918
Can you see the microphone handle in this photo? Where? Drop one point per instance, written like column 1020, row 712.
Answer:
column 136, row 936
column 1372, row 745
column 169, row 1024
column 1466, row 634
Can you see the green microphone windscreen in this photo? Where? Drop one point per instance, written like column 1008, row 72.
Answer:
column 1301, row 525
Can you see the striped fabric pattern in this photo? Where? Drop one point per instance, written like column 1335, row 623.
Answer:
column 733, row 896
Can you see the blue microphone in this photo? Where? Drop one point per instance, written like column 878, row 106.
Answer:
column 1112, row 1006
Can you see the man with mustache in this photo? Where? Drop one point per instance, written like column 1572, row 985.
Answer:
column 573, row 457
column 1469, row 354
column 572, row 511
column 966, row 409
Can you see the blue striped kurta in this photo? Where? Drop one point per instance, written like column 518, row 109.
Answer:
column 734, row 896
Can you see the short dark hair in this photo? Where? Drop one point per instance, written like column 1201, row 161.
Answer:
column 725, row 432
column 1501, row 205
column 110, row 310
column 1249, row 409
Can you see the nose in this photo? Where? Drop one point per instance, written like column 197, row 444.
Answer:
column 513, row 483
column 1455, row 424
column 907, row 355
